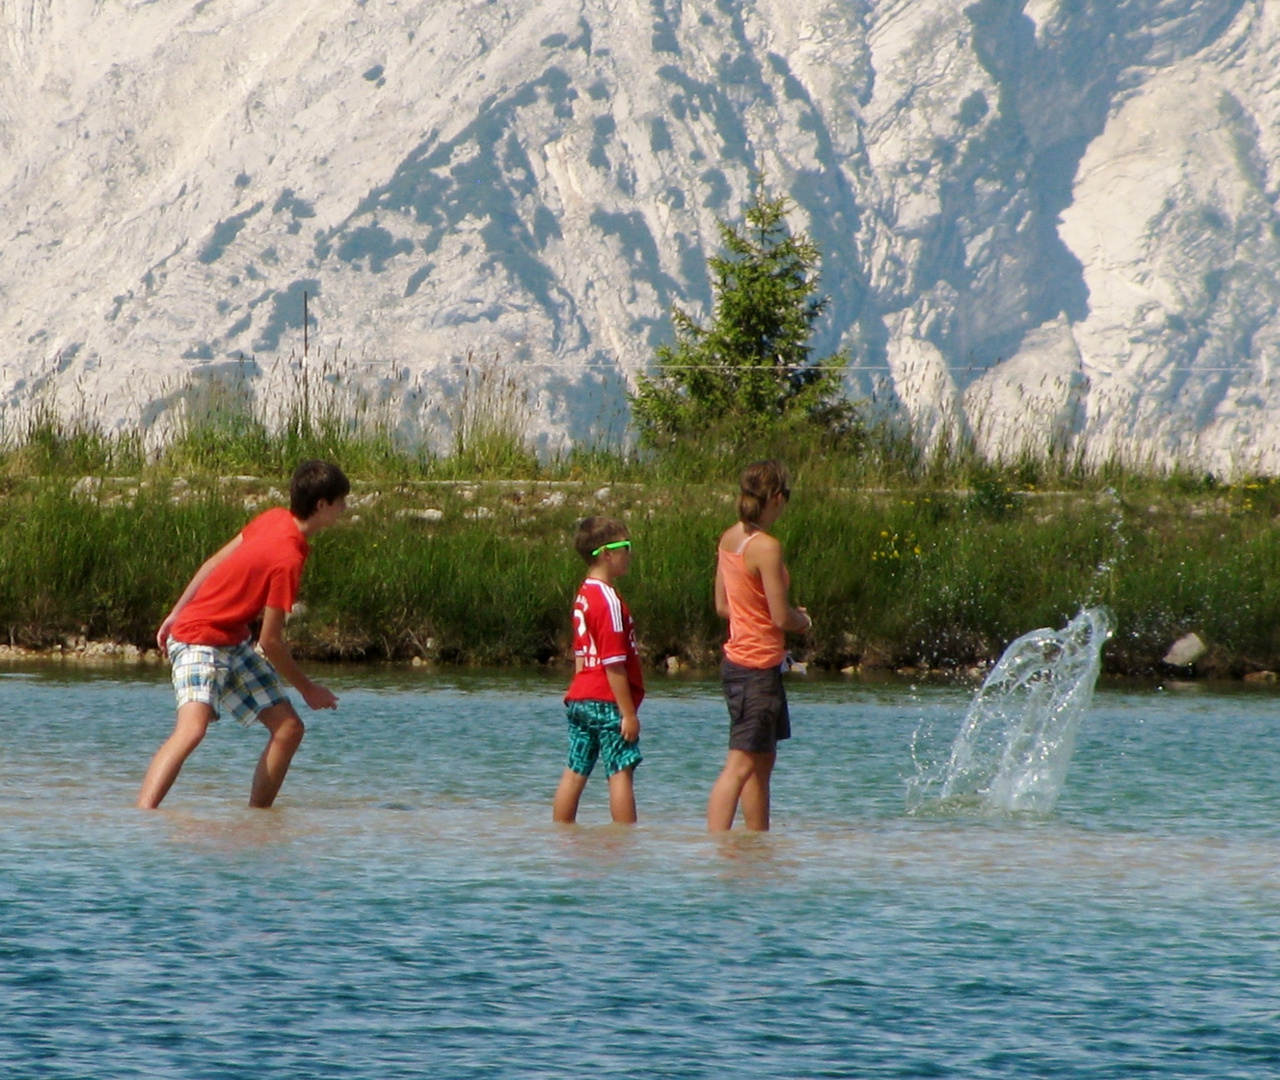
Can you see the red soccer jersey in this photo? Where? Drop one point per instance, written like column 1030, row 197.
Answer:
column 603, row 633
column 264, row 571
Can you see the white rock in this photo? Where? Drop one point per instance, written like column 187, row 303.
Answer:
column 1185, row 651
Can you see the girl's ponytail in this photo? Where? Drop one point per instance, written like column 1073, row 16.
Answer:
column 757, row 485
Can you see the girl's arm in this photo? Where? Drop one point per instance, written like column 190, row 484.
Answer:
column 722, row 595
column 772, row 571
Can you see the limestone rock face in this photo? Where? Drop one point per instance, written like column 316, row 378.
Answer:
column 1053, row 224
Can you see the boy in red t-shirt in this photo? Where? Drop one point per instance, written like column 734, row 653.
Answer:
column 607, row 684
column 207, row 639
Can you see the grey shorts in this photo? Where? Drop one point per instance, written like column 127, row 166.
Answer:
column 758, row 717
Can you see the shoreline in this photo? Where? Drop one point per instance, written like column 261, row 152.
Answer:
column 84, row 652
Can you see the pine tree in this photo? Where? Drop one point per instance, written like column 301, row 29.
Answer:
column 750, row 372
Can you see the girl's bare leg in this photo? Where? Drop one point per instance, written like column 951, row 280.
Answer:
column 755, row 793
column 739, row 768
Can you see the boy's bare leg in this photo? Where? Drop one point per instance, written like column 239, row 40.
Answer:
column 755, row 793
column 622, row 797
column 565, row 807
column 194, row 719
column 286, row 736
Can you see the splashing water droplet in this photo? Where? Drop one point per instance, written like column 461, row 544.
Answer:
column 1016, row 741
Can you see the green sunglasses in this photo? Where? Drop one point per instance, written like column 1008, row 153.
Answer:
column 615, row 546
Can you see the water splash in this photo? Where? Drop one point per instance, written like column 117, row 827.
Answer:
column 1105, row 573
column 1017, row 738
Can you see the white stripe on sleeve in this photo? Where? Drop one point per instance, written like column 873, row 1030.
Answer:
column 615, row 604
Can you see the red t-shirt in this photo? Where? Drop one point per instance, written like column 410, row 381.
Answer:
column 603, row 633
column 264, row 571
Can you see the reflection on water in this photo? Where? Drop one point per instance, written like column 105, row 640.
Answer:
column 408, row 909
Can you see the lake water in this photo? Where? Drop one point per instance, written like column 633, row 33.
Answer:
column 408, row 909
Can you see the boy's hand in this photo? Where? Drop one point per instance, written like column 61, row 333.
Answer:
column 162, row 635
column 319, row 697
column 630, row 722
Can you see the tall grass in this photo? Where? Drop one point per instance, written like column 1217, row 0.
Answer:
column 479, row 426
column 490, row 415
column 74, row 564
column 313, row 408
column 47, row 443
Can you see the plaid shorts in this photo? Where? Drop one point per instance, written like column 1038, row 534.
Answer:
column 233, row 676
column 595, row 731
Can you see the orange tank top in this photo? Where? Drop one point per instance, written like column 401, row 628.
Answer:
column 754, row 641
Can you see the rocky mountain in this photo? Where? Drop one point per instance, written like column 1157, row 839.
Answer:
column 1051, row 222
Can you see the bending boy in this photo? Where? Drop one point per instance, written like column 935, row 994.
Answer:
column 207, row 638
column 608, row 684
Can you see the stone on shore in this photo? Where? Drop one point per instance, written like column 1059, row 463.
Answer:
column 1185, row 651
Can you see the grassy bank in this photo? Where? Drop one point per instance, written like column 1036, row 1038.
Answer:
column 462, row 553
column 925, row 575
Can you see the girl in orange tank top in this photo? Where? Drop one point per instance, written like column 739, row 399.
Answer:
column 752, row 583
column 755, row 641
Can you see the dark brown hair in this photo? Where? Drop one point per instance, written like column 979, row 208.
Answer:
column 313, row 481
column 594, row 533
column 757, row 485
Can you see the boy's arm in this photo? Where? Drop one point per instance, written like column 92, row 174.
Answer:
column 617, row 676
column 276, row 649
column 206, row 568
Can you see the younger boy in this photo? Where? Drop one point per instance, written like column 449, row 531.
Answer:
column 608, row 684
column 206, row 636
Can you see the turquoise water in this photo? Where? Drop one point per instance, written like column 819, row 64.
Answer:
column 408, row 910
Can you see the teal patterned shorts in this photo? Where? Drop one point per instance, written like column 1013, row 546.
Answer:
column 233, row 676
column 595, row 731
